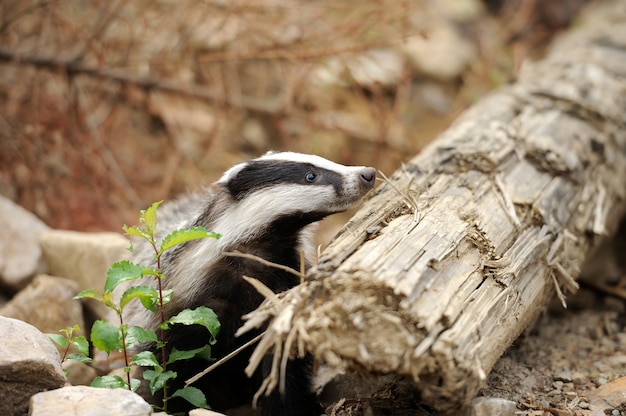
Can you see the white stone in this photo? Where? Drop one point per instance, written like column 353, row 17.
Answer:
column 204, row 412
column 20, row 254
column 383, row 67
column 47, row 304
column 444, row 54
column 84, row 258
column 378, row 67
column 29, row 363
column 88, row 401
column 493, row 406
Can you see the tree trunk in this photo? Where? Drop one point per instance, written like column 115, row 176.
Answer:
column 453, row 257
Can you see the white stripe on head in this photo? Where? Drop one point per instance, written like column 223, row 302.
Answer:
column 312, row 159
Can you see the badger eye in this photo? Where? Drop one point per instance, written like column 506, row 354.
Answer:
column 310, row 176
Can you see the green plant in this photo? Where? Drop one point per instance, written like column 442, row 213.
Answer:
column 108, row 337
column 66, row 340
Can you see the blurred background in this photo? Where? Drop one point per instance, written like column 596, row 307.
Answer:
column 107, row 106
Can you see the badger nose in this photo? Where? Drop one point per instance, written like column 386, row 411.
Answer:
column 368, row 177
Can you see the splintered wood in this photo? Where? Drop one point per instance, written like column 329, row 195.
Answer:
column 459, row 251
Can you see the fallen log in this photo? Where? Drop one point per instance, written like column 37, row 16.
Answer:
column 459, row 251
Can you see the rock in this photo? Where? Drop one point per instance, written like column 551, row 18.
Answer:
column 383, row 67
column 47, row 304
column 84, row 258
column 29, row 363
column 377, row 67
column 204, row 412
column 443, row 55
column 190, row 121
column 79, row 374
column 492, row 406
column 88, row 401
column 608, row 397
column 20, row 254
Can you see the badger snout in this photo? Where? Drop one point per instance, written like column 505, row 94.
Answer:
column 368, row 177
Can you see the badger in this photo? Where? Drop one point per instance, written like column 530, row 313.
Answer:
column 267, row 207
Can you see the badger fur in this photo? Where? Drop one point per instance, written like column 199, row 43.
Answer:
column 266, row 207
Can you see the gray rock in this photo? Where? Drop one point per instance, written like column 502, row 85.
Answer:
column 444, row 55
column 377, row 67
column 84, row 258
column 20, row 254
column 383, row 67
column 492, row 406
column 29, row 363
column 88, row 401
column 79, row 374
column 47, row 304
column 204, row 412
column 608, row 397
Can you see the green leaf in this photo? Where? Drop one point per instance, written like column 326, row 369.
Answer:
column 193, row 395
column 109, row 382
column 71, row 329
column 145, row 359
column 134, row 384
column 123, row 271
column 138, row 335
column 106, row 337
column 200, row 316
column 177, row 355
column 167, row 295
column 148, row 297
column 90, row 294
column 157, row 378
column 135, row 231
column 149, row 217
column 80, row 344
column 79, row 357
column 183, row 235
column 58, row 339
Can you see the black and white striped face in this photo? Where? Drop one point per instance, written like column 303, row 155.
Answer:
column 286, row 183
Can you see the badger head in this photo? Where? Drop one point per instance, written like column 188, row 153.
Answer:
column 303, row 188
column 262, row 205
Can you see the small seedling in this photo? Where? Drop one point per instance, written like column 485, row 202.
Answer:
column 108, row 337
column 66, row 340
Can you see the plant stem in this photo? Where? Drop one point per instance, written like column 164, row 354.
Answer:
column 162, row 314
column 67, row 349
column 126, row 366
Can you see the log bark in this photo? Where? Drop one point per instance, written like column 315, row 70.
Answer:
column 458, row 252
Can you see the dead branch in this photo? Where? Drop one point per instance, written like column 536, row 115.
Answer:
column 72, row 66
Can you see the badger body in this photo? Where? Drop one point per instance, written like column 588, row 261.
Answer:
column 266, row 207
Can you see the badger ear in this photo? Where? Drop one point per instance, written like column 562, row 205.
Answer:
column 231, row 173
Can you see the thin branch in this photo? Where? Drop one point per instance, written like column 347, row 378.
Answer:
column 262, row 261
column 223, row 360
column 9, row 20
column 281, row 53
column 73, row 67
column 616, row 292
